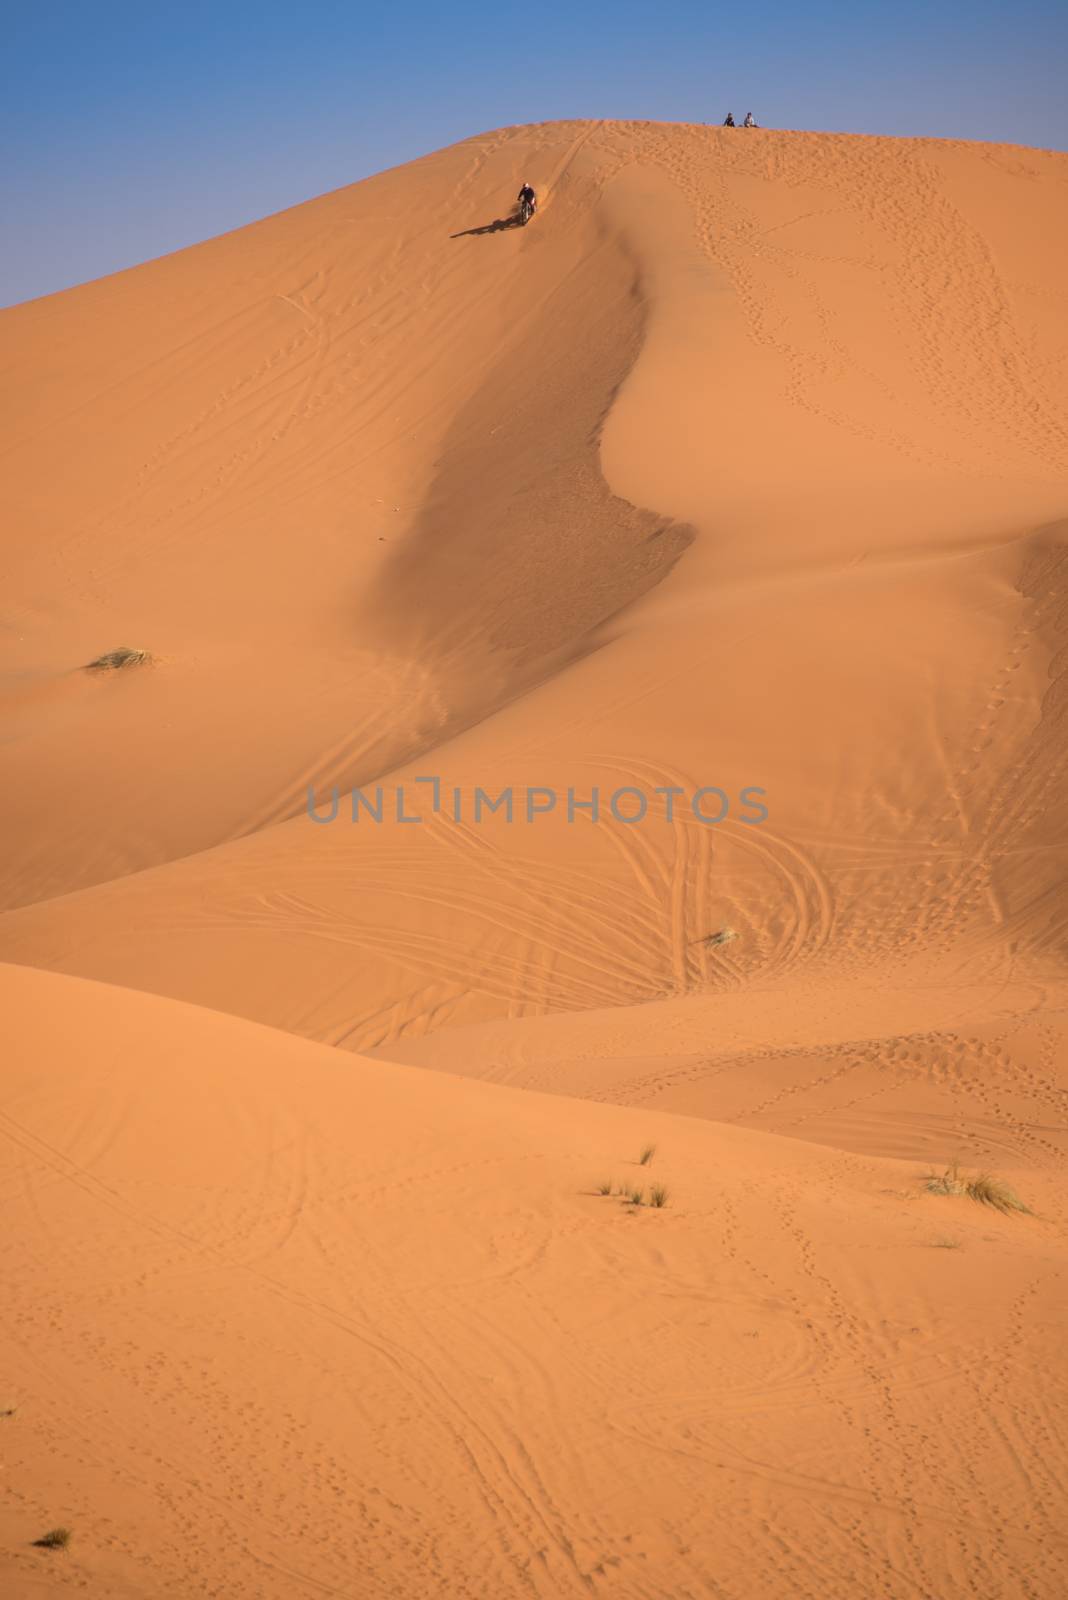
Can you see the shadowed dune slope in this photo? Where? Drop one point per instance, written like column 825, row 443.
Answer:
column 273, row 461
column 284, row 1322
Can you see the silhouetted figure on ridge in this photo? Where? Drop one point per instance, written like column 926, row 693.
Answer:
column 728, row 121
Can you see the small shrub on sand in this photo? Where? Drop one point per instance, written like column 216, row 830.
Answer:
column 984, row 1188
column 114, row 660
column 647, row 1155
column 724, row 936
column 658, row 1195
column 946, row 1244
column 54, row 1539
column 636, row 1196
column 605, row 1186
column 991, row 1191
column 8, row 1411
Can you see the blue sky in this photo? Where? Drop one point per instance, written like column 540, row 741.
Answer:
column 131, row 129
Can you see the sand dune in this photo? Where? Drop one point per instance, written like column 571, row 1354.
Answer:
column 866, row 628
column 965, row 1069
column 744, row 468
column 289, row 1322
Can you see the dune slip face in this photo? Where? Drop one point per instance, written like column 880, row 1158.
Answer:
column 740, row 469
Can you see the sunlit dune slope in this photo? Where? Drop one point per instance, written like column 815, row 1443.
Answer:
column 743, row 465
column 930, row 1064
column 284, row 1322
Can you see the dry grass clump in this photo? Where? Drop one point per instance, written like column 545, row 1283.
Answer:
column 984, row 1188
column 633, row 1194
column 54, row 1539
column 114, row 660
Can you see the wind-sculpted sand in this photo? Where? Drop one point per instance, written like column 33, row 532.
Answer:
column 286, row 1321
column 741, row 470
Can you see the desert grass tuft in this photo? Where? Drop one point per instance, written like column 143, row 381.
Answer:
column 636, row 1196
column 54, row 1539
column 991, row 1191
column 647, row 1155
column 114, row 660
column 658, row 1195
column 724, row 936
column 983, row 1188
column 946, row 1244
column 605, row 1186
column 8, row 1411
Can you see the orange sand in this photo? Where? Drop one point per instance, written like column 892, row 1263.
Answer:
column 745, row 464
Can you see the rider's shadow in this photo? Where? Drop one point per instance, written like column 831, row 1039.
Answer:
column 490, row 227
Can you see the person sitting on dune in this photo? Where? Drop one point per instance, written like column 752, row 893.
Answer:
column 749, row 123
column 728, row 121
